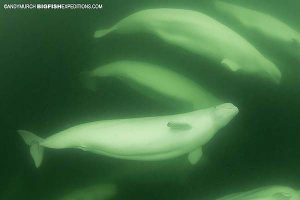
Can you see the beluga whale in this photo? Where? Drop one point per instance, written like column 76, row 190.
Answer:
column 274, row 192
column 154, row 81
column 147, row 139
column 266, row 26
column 200, row 34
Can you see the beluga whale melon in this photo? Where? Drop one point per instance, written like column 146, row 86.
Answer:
column 267, row 26
column 266, row 193
column 148, row 138
column 201, row 35
column 152, row 80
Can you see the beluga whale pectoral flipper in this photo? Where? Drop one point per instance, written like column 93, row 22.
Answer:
column 200, row 34
column 156, row 82
column 148, row 138
column 267, row 26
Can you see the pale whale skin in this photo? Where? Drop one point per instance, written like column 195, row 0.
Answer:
column 199, row 34
column 266, row 193
column 151, row 80
column 265, row 25
column 150, row 138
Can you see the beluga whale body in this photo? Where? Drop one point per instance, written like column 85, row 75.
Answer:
column 265, row 193
column 268, row 27
column 152, row 80
column 149, row 138
column 199, row 34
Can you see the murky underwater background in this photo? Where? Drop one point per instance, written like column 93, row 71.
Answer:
column 42, row 54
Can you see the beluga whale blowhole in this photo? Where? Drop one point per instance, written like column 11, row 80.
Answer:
column 148, row 138
column 199, row 34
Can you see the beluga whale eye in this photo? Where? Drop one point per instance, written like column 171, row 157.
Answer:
column 179, row 125
column 282, row 196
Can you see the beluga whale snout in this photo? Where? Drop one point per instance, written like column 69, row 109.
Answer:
column 147, row 138
column 224, row 113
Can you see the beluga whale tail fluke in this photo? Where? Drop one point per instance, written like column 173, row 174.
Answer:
column 103, row 32
column 33, row 141
column 144, row 139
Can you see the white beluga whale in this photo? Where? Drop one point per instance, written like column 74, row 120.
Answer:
column 263, row 24
column 266, row 193
column 199, row 34
column 148, row 139
column 152, row 80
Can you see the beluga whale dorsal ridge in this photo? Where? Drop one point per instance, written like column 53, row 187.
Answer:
column 151, row 80
column 269, row 27
column 199, row 34
column 148, row 138
column 268, row 192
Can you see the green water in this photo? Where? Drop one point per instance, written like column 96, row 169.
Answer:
column 42, row 54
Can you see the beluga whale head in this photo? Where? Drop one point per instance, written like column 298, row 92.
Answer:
column 270, row 71
column 224, row 113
